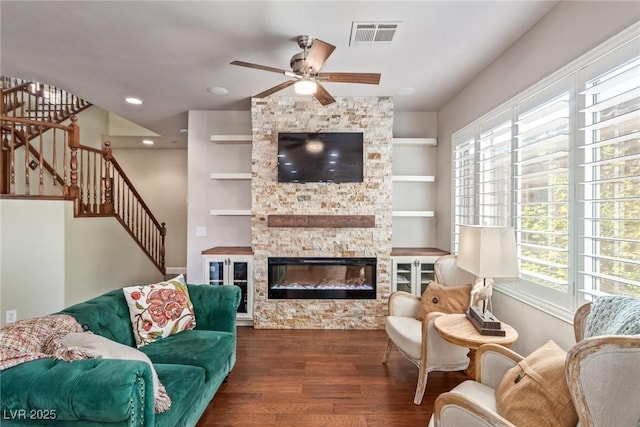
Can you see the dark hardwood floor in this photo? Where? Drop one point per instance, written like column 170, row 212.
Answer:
column 309, row 378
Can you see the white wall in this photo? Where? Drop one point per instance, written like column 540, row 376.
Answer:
column 100, row 256
column 160, row 176
column 568, row 31
column 204, row 194
column 32, row 250
column 50, row 260
column 415, row 124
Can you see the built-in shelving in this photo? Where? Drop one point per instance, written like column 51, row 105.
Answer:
column 414, row 178
column 432, row 142
column 230, row 212
column 422, row 214
column 230, row 175
column 232, row 139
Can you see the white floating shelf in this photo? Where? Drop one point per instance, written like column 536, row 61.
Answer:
column 232, row 139
column 232, row 175
column 427, row 214
column 414, row 178
column 430, row 142
column 230, row 212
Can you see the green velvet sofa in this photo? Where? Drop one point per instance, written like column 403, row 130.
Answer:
column 94, row 392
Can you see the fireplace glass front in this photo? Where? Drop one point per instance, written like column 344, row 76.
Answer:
column 322, row 278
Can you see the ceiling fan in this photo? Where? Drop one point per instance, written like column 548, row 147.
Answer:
column 306, row 75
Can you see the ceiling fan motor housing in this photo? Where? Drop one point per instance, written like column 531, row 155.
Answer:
column 297, row 61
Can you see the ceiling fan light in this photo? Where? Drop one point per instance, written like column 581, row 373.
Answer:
column 305, row 87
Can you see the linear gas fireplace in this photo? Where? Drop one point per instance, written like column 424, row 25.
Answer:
column 322, row 278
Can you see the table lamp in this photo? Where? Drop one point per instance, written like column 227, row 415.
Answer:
column 487, row 252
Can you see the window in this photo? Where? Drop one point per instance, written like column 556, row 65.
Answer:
column 494, row 175
column 610, row 181
column 561, row 164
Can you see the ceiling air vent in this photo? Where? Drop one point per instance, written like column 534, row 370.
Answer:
column 372, row 33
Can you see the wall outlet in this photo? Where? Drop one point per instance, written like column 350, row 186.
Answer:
column 11, row 316
column 201, row 231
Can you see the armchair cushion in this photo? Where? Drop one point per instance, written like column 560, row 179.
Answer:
column 406, row 333
column 535, row 392
column 444, row 299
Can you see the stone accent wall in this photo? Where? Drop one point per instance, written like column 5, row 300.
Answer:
column 374, row 117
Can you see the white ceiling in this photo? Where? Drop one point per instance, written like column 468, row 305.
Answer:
column 168, row 53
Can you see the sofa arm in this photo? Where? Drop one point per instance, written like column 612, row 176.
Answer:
column 215, row 306
column 51, row 392
column 452, row 409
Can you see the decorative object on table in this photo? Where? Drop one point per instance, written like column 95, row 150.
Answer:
column 487, row 252
column 482, row 291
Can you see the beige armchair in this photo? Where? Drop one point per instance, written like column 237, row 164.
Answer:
column 447, row 272
column 418, row 340
column 601, row 371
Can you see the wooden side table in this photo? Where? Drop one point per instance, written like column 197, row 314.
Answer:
column 457, row 329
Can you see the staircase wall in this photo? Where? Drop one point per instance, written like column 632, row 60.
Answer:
column 32, row 257
column 160, row 175
column 50, row 260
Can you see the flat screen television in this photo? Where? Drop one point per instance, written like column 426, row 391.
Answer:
column 320, row 157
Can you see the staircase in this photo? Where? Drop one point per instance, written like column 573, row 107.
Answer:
column 41, row 157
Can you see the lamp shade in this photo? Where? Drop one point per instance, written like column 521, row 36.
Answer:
column 488, row 251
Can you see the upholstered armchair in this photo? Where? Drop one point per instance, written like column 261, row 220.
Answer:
column 601, row 371
column 447, row 272
column 417, row 340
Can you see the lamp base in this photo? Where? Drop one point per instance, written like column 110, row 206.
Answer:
column 485, row 322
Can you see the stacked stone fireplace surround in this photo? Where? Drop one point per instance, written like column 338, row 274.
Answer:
column 373, row 116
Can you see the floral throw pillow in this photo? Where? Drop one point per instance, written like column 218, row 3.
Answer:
column 159, row 310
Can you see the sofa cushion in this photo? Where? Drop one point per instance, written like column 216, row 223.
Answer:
column 159, row 310
column 211, row 350
column 535, row 391
column 444, row 299
column 184, row 384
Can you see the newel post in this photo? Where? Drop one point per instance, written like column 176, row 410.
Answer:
column 163, row 233
column 74, row 144
column 107, row 154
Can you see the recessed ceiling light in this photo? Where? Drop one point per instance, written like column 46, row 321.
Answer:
column 135, row 101
column 147, row 142
column 406, row 91
column 217, row 90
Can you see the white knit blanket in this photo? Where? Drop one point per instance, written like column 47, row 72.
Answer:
column 613, row 315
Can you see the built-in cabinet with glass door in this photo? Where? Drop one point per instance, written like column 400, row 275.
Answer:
column 225, row 266
column 413, row 269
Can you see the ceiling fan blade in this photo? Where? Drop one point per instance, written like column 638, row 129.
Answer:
column 275, row 89
column 318, row 53
column 259, row 67
column 366, row 78
column 323, row 96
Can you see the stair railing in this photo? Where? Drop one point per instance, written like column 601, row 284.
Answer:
column 38, row 101
column 56, row 165
column 43, row 167
column 104, row 189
